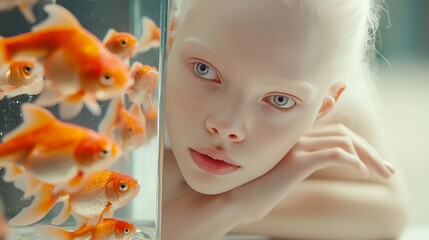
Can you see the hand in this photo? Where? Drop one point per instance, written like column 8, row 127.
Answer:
column 322, row 146
column 336, row 144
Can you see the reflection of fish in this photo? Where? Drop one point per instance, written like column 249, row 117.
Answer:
column 23, row 77
column 151, row 115
column 121, row 43
column 24, row 6
column 54, row 152
column 107, row 229
column 104, row 192
column 151, row 35
column 127, row 128
column 145, row 82
column 80, row 68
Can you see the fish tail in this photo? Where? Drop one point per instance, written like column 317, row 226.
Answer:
column 43, row 202
column 55, row 232
column 4, row 65
column 111, row 115
column 63, row 215
column 147, row 40
column 26, row 11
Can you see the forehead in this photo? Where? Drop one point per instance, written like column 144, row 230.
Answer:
column 271, row 34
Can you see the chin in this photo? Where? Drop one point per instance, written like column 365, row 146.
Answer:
column 209, row 189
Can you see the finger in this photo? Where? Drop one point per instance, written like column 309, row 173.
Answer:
column 323, row 142
column 368, row 154
column 333, row 156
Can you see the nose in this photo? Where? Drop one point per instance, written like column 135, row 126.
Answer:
column 227, row 127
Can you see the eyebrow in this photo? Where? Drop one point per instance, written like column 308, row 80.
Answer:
column 196, row 45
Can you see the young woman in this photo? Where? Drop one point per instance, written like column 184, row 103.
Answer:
column 256, row 145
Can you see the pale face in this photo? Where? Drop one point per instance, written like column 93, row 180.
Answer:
column 244, row 83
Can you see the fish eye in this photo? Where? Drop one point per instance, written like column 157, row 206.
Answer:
column 103, row 153
column 126, row 231
column 281, row 102
column 124, row 42
column 28, row 69
column 123, row 186
column 205, row 71
column 107, row 80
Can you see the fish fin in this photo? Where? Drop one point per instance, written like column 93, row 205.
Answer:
column 43, row 202
column 137, row 112
column 25, row 7
column 146, row 40
column 107, row 209
column 54, row 232
column 111, row 32
column 69, row 109
column 63, row 215
column 80, row 220
column 10, row 155
column 12, row 172
column 32, row 186
column 111, row 116
column 73, row 185
column 34, row 117
column 135, row 96
column 92, row 105
column 58, row 16
column 2, row 95
column 49, row 95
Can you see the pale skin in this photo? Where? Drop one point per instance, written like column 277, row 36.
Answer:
column 299, row 170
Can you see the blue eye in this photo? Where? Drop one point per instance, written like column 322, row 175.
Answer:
column 205, row 71
column 281, row 102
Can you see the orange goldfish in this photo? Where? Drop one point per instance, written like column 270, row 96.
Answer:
column 24, row 6
column 145, row 83
column 80, row 68
column 54, row 152
column 121, row 43
column 107, row 229
column 23, row 77
column 104, row 192
column 127, row 128
column 151, row 36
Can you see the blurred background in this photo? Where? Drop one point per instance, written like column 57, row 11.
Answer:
column 404, row 43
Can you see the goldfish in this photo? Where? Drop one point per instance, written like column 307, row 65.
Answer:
column 24, row 6
column 121, row 43
column 104, row 192
column 107, row 229
column 78, row 66
column 50, row 151
column 22, row 77
column 150, row 37
column 145, row 83
column 126, row 127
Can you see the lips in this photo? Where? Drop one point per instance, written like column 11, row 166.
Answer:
column 213, row 161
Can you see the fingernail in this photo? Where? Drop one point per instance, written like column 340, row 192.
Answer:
column 389, row 167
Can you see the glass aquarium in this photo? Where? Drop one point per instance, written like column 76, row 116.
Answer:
column 81, row 82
